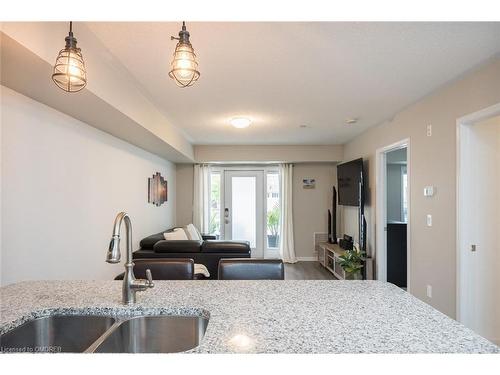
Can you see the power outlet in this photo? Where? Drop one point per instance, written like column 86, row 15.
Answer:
column 429, row 291
column 429, row 130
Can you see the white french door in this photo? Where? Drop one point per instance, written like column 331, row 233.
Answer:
column 243, row 210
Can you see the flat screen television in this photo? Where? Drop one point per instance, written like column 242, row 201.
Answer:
column 348, row 178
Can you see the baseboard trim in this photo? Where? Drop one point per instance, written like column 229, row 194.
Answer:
column 307, row 259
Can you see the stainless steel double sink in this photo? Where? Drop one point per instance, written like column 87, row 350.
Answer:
column 105, row 334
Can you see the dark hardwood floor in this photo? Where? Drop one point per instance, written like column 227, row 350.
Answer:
column 307, row 271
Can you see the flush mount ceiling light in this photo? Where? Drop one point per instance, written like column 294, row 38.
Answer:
column 69, row 71
column 351, row 121
column 240, row 122
column 184, row 66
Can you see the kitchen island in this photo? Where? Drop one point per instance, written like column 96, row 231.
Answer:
column 293, row 316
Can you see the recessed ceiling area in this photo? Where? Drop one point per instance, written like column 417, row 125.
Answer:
column 285, row 75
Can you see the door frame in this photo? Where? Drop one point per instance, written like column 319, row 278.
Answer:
column 266, row 167
column 463, row 129
column 381, row 209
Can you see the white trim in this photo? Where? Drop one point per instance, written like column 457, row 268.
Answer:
column 307, row 259
column 462, row 128
column 381, row 210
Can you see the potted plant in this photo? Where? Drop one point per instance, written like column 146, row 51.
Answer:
column 352, row 263
column 273, row 225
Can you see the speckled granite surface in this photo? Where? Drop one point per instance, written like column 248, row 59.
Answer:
column 265, row 316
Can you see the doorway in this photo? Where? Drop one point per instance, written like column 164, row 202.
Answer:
column 245, row 204
column 478, row 222
column 244, row 208
column 393, row 213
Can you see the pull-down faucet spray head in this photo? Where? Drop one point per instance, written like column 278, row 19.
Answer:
column 113, row 255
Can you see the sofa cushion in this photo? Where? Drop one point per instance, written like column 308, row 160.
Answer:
column 177, row 246
column 149, row 242
column 211, row 246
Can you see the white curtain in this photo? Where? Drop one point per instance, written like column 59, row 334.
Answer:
column 287, row 248
column 200, row 197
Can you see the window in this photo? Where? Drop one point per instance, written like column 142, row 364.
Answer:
column 215, row 204
column 273, row 210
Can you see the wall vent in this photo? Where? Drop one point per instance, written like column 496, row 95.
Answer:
column 319, row 237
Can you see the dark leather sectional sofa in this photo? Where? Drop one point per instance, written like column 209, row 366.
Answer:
column 207, row 252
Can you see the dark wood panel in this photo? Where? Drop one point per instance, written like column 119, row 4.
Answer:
column 396, row 254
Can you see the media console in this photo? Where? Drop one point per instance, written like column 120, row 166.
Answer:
column 329, row 257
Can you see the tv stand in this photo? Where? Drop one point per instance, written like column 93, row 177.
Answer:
column 329, row 257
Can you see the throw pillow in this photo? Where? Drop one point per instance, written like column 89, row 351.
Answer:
column 176, row 235
column 193, row 233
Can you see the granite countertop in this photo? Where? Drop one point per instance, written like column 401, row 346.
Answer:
column 294, row 316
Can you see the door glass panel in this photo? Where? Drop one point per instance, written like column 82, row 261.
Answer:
column 244, row 209
column 273, row 210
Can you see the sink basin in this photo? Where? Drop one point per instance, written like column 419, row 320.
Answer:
column 56, row 333
column 155, row 334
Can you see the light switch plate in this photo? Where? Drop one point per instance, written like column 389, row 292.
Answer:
column 429, row 220
column 429, row 291
column 429, row 130
column 429, row 191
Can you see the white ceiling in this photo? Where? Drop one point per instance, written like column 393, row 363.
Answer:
column 283, row 75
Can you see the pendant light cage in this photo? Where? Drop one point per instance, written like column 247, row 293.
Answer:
column 184, row 67
column 69, row 73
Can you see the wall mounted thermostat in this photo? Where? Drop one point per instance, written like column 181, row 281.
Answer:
column 429, row 191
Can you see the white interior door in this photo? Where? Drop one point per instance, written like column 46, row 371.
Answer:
column 479, row 224
column 244, row 208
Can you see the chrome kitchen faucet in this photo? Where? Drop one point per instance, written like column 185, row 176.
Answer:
column 131, row 285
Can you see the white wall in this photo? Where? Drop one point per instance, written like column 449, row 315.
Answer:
column 432, row 162
column 63, row 182
column 268, row 153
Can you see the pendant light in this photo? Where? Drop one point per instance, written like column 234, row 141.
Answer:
column 69, row 71
column 184, row 66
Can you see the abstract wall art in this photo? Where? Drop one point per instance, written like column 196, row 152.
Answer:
column 157, row 190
